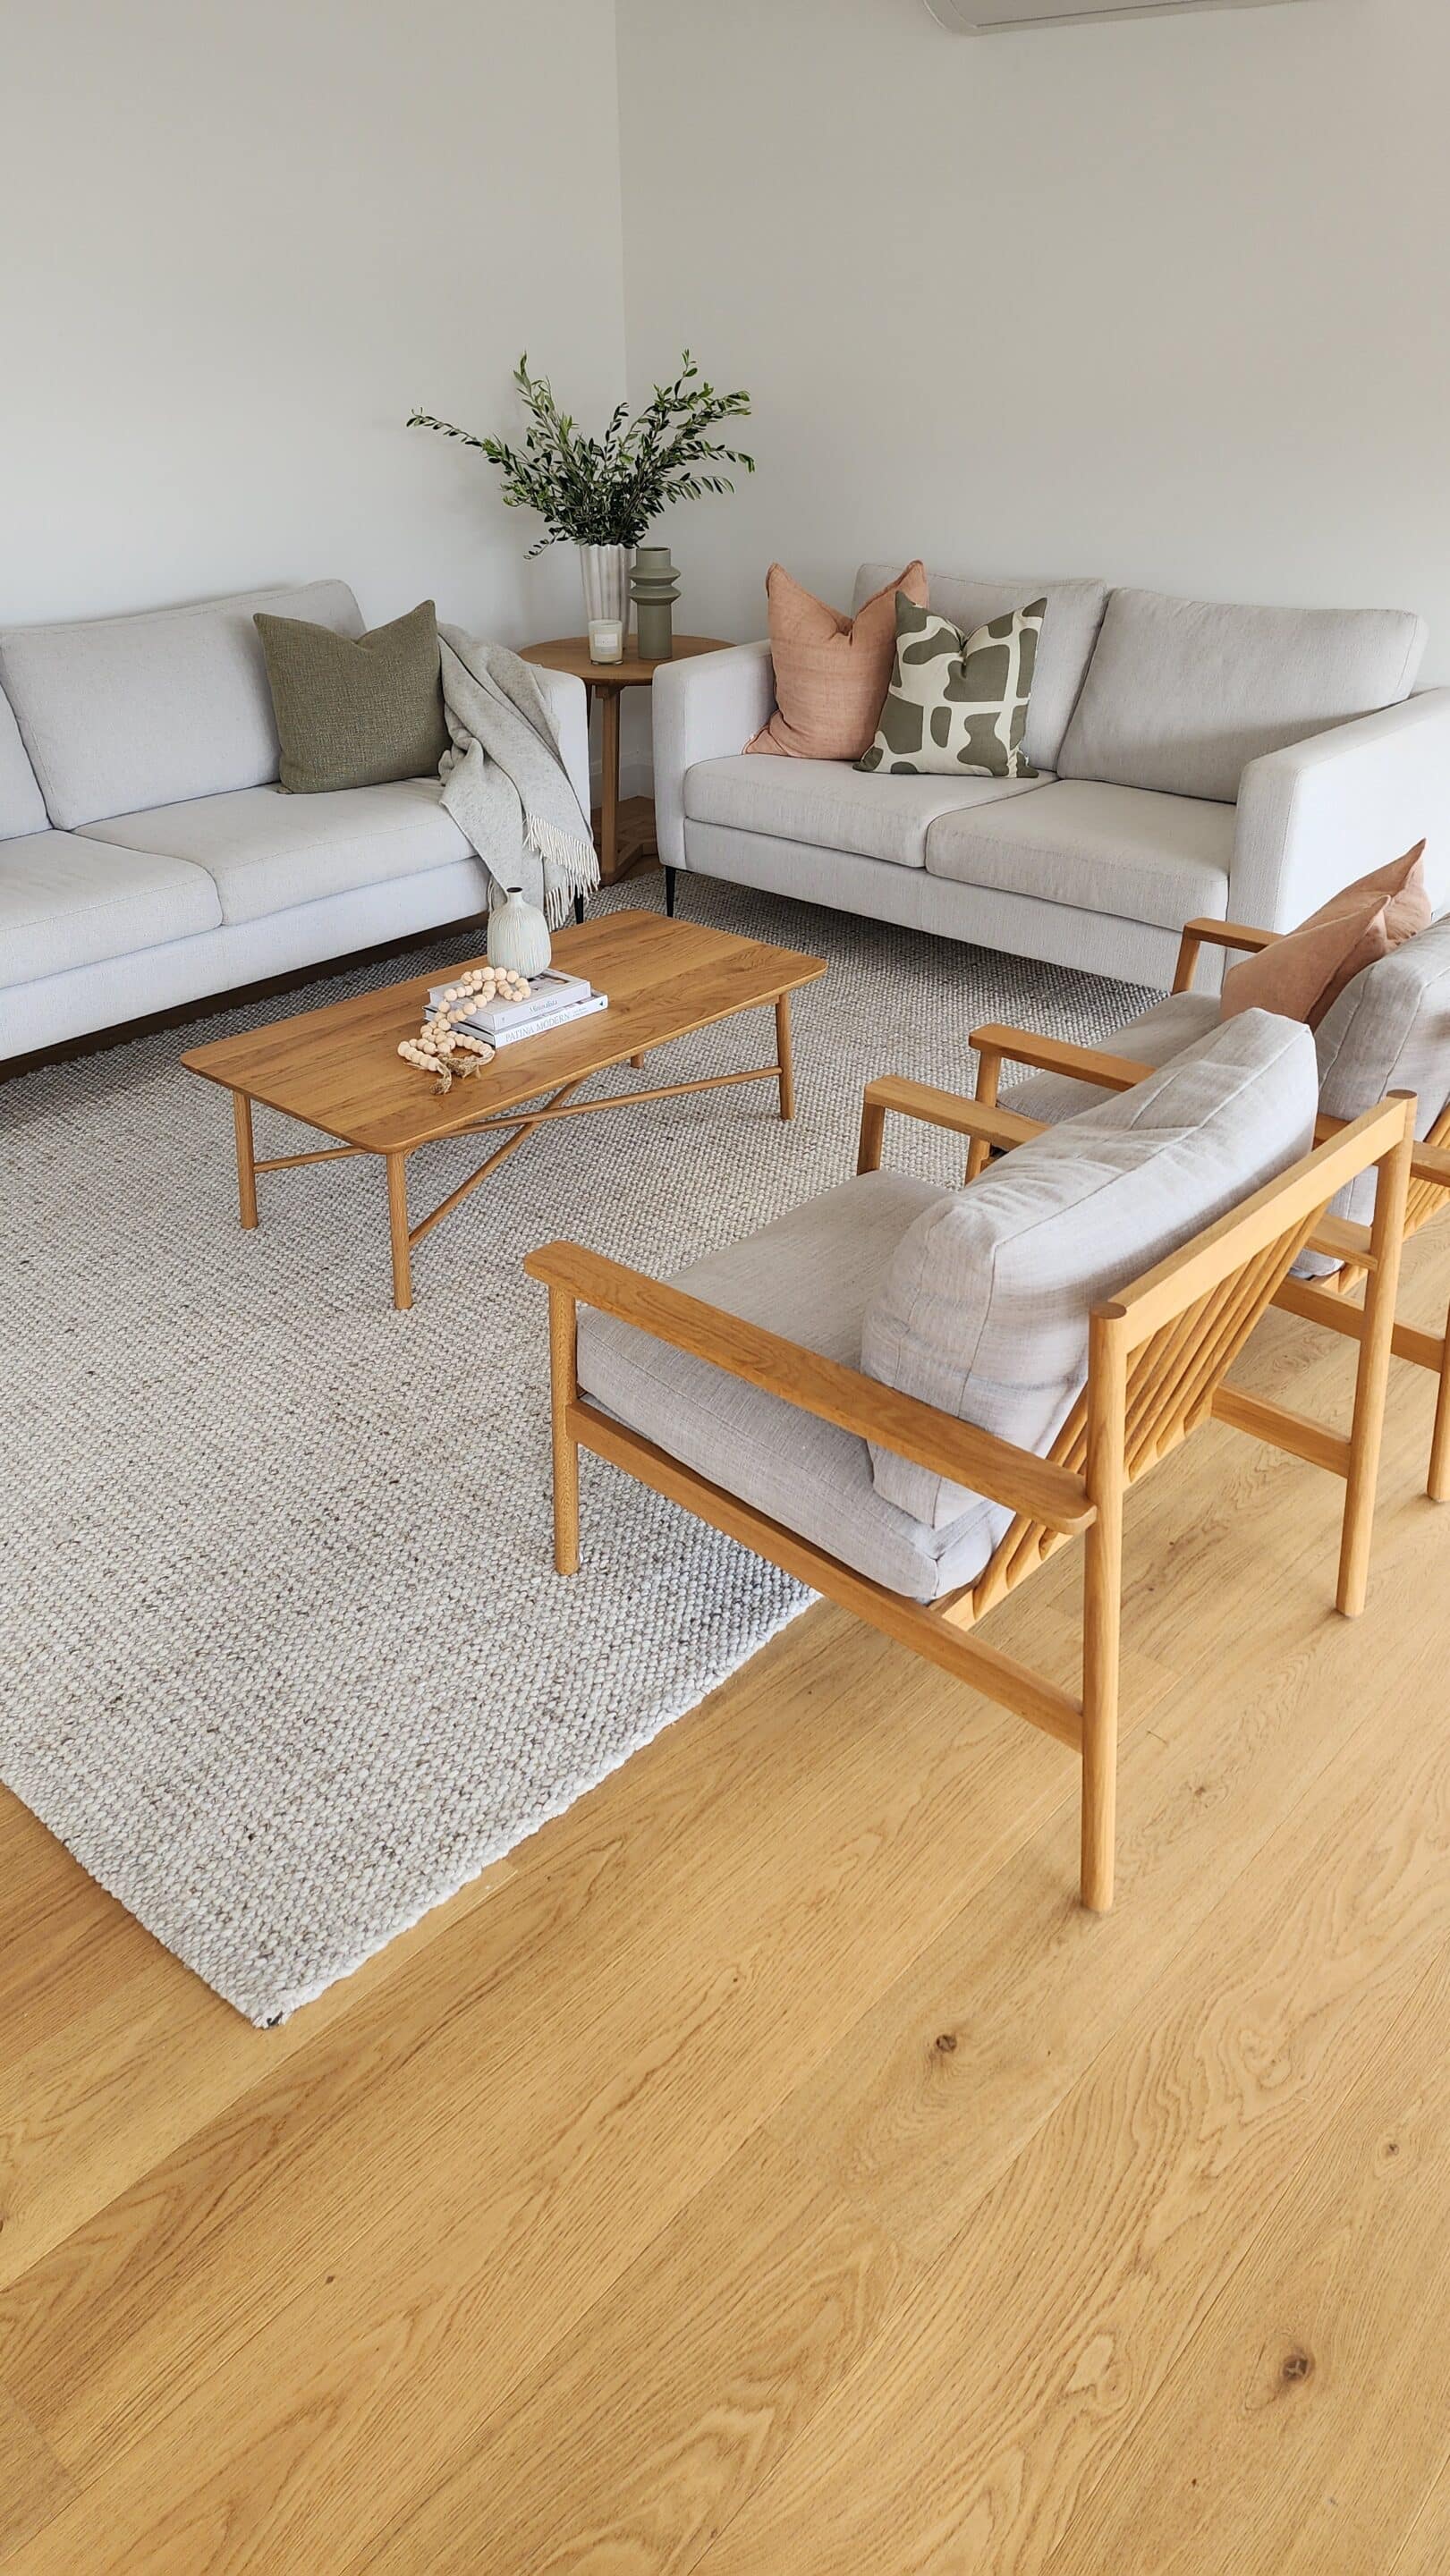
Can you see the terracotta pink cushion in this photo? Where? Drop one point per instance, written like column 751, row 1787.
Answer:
column 831, row 672
column 1302, row 975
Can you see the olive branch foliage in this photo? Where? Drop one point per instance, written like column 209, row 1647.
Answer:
column 608, row 491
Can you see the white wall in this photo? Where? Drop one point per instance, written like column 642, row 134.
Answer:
column 1165, row 301
column 241, row 243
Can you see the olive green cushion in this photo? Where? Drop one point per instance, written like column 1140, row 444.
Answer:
column 355, row 711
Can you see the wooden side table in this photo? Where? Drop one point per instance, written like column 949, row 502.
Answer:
column 624, row 835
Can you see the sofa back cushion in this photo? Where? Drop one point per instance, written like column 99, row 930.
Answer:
column 1182, row 694
column 1070, row 625
column 984, row 1309
column 22, row 807
column 118, row 713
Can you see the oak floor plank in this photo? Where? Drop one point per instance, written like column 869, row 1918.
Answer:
column 1092, row 2261
column 1425, row 2550
column 33, row 2485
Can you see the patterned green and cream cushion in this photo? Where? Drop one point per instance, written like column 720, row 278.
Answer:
column 957, row 704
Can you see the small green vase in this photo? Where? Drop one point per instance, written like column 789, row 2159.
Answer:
column 654, row 589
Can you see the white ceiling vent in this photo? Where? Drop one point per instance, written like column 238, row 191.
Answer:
column 988, row 17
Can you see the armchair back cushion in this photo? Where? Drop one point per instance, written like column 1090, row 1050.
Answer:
column 1182, row 694
column 984, row 1309
column 1073, row 614
column 1388, row 1031
column 118, row 713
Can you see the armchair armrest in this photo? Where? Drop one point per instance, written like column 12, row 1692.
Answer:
column 985, row 1125
column 1312, row 818
column 569, row 706
column 704, row 709
column 949, row 1447
column 1215, row 934
column 1003, row 1045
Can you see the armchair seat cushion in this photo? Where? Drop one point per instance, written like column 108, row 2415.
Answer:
column 67, row 902
column 266, row 851
column 832, row 806
column 1114, row 850
column 811, row 1276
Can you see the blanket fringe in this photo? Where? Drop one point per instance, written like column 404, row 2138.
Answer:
column 571, row 866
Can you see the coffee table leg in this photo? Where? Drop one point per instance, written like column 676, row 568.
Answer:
column 398, row 1229
column 246, row 1159
column 783, row 1056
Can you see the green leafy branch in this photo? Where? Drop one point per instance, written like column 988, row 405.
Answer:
column 608, row 491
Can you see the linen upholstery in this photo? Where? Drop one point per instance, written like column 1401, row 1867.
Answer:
column 66, row 902
column 1181, row 694
column 984, row 1308
column 1070, row 625
column 1306, row 816
column 267, row 851
column 22, row 807
column 810, row 1276
column 121, row 713
column 956, row 706
column 355, row 710
column 1153, row 1038
column 1149, row 858
column 830, row 670
column 834, row 806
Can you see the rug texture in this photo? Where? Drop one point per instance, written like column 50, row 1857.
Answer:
column 286, row 1663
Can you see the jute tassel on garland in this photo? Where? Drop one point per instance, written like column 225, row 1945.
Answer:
column 441, row 1045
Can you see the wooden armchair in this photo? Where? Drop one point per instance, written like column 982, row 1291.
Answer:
column 1157, row 1358
column 1329, row 1301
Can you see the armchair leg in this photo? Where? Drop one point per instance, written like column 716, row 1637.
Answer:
column 564, row 1388
column 1438, row 1487
column 670, row 892
column 1103, row 1607
column 989, row 1075
column 1372, row 1376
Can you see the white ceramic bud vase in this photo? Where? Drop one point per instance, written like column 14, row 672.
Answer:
column 605, row 571
column 518, row 936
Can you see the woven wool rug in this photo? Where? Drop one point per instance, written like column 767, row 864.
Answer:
column 286, row 1660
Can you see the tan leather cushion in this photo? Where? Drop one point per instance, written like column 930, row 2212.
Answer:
column 831, row 671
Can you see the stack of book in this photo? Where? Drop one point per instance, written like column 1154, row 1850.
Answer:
column 554, row 999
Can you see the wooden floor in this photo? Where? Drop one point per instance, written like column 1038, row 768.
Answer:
column 770, row 2170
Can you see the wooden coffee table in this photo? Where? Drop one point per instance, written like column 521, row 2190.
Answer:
column 338, row 1069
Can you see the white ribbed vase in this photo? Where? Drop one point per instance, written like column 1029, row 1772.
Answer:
column 605, row 572
column 518, row 936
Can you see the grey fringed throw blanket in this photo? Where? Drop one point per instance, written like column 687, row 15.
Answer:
column 503, row 781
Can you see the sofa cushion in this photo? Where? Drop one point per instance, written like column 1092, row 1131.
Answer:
column 833, row 806
column 810, row 1276
column 68, row 902
column 1158, row 859
column 957, row 704
column 1182, row 694
column 266, row 850
column 22, row 807
column 1152, row 1038
column 830, row 671
column 984, row 1308
column 119, row 713
column 1070, row 625
column 355, row 710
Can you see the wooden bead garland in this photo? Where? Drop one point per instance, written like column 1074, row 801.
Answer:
column 441, row 1045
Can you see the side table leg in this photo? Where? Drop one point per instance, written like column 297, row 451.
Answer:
column 246, row 1159
column 783, row 1056
column 609, row 786
column 398, row 1229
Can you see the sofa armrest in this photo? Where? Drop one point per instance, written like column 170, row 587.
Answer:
column 568, row 704
column 1313, row 818
column 704, row 709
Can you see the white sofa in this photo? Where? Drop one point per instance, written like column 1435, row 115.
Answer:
column 1196, row 758
column 148, row 857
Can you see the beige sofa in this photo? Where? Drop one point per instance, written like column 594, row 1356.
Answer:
column 147, row 855
column 1196, row 759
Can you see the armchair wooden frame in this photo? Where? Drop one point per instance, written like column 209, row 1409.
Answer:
column 1331, row 1301
column 1158, row 1355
